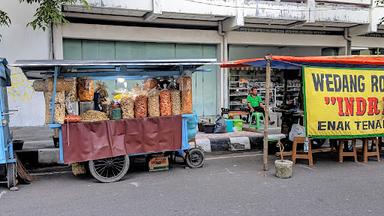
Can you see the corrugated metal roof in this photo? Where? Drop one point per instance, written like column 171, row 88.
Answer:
column 169, row 62
column 40, row 69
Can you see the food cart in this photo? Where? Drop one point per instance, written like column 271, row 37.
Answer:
column 106, row 145
column 341, row 96
column 7, row 159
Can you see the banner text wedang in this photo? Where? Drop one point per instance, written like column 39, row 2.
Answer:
column 344, row 102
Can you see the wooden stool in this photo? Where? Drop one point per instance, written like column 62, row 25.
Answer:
column 343, row 153
column 302, row 155
column 375, row 149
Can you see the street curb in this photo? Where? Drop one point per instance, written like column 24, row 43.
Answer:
column 45, row 156
column 224, row 144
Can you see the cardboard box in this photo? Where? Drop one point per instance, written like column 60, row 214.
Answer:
column 158, row 163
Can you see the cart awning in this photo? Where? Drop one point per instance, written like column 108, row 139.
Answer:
column 292, row 62
column 41, row 69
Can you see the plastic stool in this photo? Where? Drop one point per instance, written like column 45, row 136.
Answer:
column 258, row 118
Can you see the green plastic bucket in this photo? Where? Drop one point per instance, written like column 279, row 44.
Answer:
column 116, row 114
column 238, row 124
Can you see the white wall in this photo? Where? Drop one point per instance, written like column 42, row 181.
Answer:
column 21, row 42
column 339, row 12
column 241, row 51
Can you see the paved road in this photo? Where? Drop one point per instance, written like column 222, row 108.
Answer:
column 225, row 186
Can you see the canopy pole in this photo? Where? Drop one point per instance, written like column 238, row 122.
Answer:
column 53, row 99
column 266, row 117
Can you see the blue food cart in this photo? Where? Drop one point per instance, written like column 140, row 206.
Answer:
column 108, row 149
column 7, row 159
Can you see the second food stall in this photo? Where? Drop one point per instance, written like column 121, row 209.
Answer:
column 341, row 97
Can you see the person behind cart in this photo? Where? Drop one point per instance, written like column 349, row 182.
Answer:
column 255, row 104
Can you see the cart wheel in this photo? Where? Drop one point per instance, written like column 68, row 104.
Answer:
column 11, row 175
column 195, row 158
column 109, row 169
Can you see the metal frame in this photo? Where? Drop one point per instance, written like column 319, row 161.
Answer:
column 7, row 156
column 7, row 149
column 141, row 68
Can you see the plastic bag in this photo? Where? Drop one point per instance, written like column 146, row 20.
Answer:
column 59, row 107
column 100, row 95
column 85, row 89
column 141, row 102
column 127, row 104
column 165, row 103
column 72, row 118
column 69, row 108
column 61, row 84
column 93, row 115
column 102, row 89
column 296, row 131
column 71, row 94
column 192, row 127
column 220, row 126
column 141, row 106
column 185, row 83
column 47, row 85
column 176, row 102
column 153, row 103
column 150, row 84
column 39, row 85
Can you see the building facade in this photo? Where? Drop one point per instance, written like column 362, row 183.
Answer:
column 221, row 29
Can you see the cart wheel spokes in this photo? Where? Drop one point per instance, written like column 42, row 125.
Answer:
column 195, row 158
column 109, row 169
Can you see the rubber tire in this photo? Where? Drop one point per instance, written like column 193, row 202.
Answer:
column 198, row 151
column 11, row 175
column 109, row 180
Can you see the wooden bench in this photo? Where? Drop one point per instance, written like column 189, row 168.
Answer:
column 314, row 151
column 302, row 155
column 342, row 153
column 374, row 151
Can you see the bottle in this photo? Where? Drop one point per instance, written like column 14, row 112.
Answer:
column 306, row 143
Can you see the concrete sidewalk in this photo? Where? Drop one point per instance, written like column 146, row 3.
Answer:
column 34, row 137
column 225, row 186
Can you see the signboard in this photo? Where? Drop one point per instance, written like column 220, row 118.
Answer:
column 343, row 102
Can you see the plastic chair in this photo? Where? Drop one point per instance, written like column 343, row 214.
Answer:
column 259, row 117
